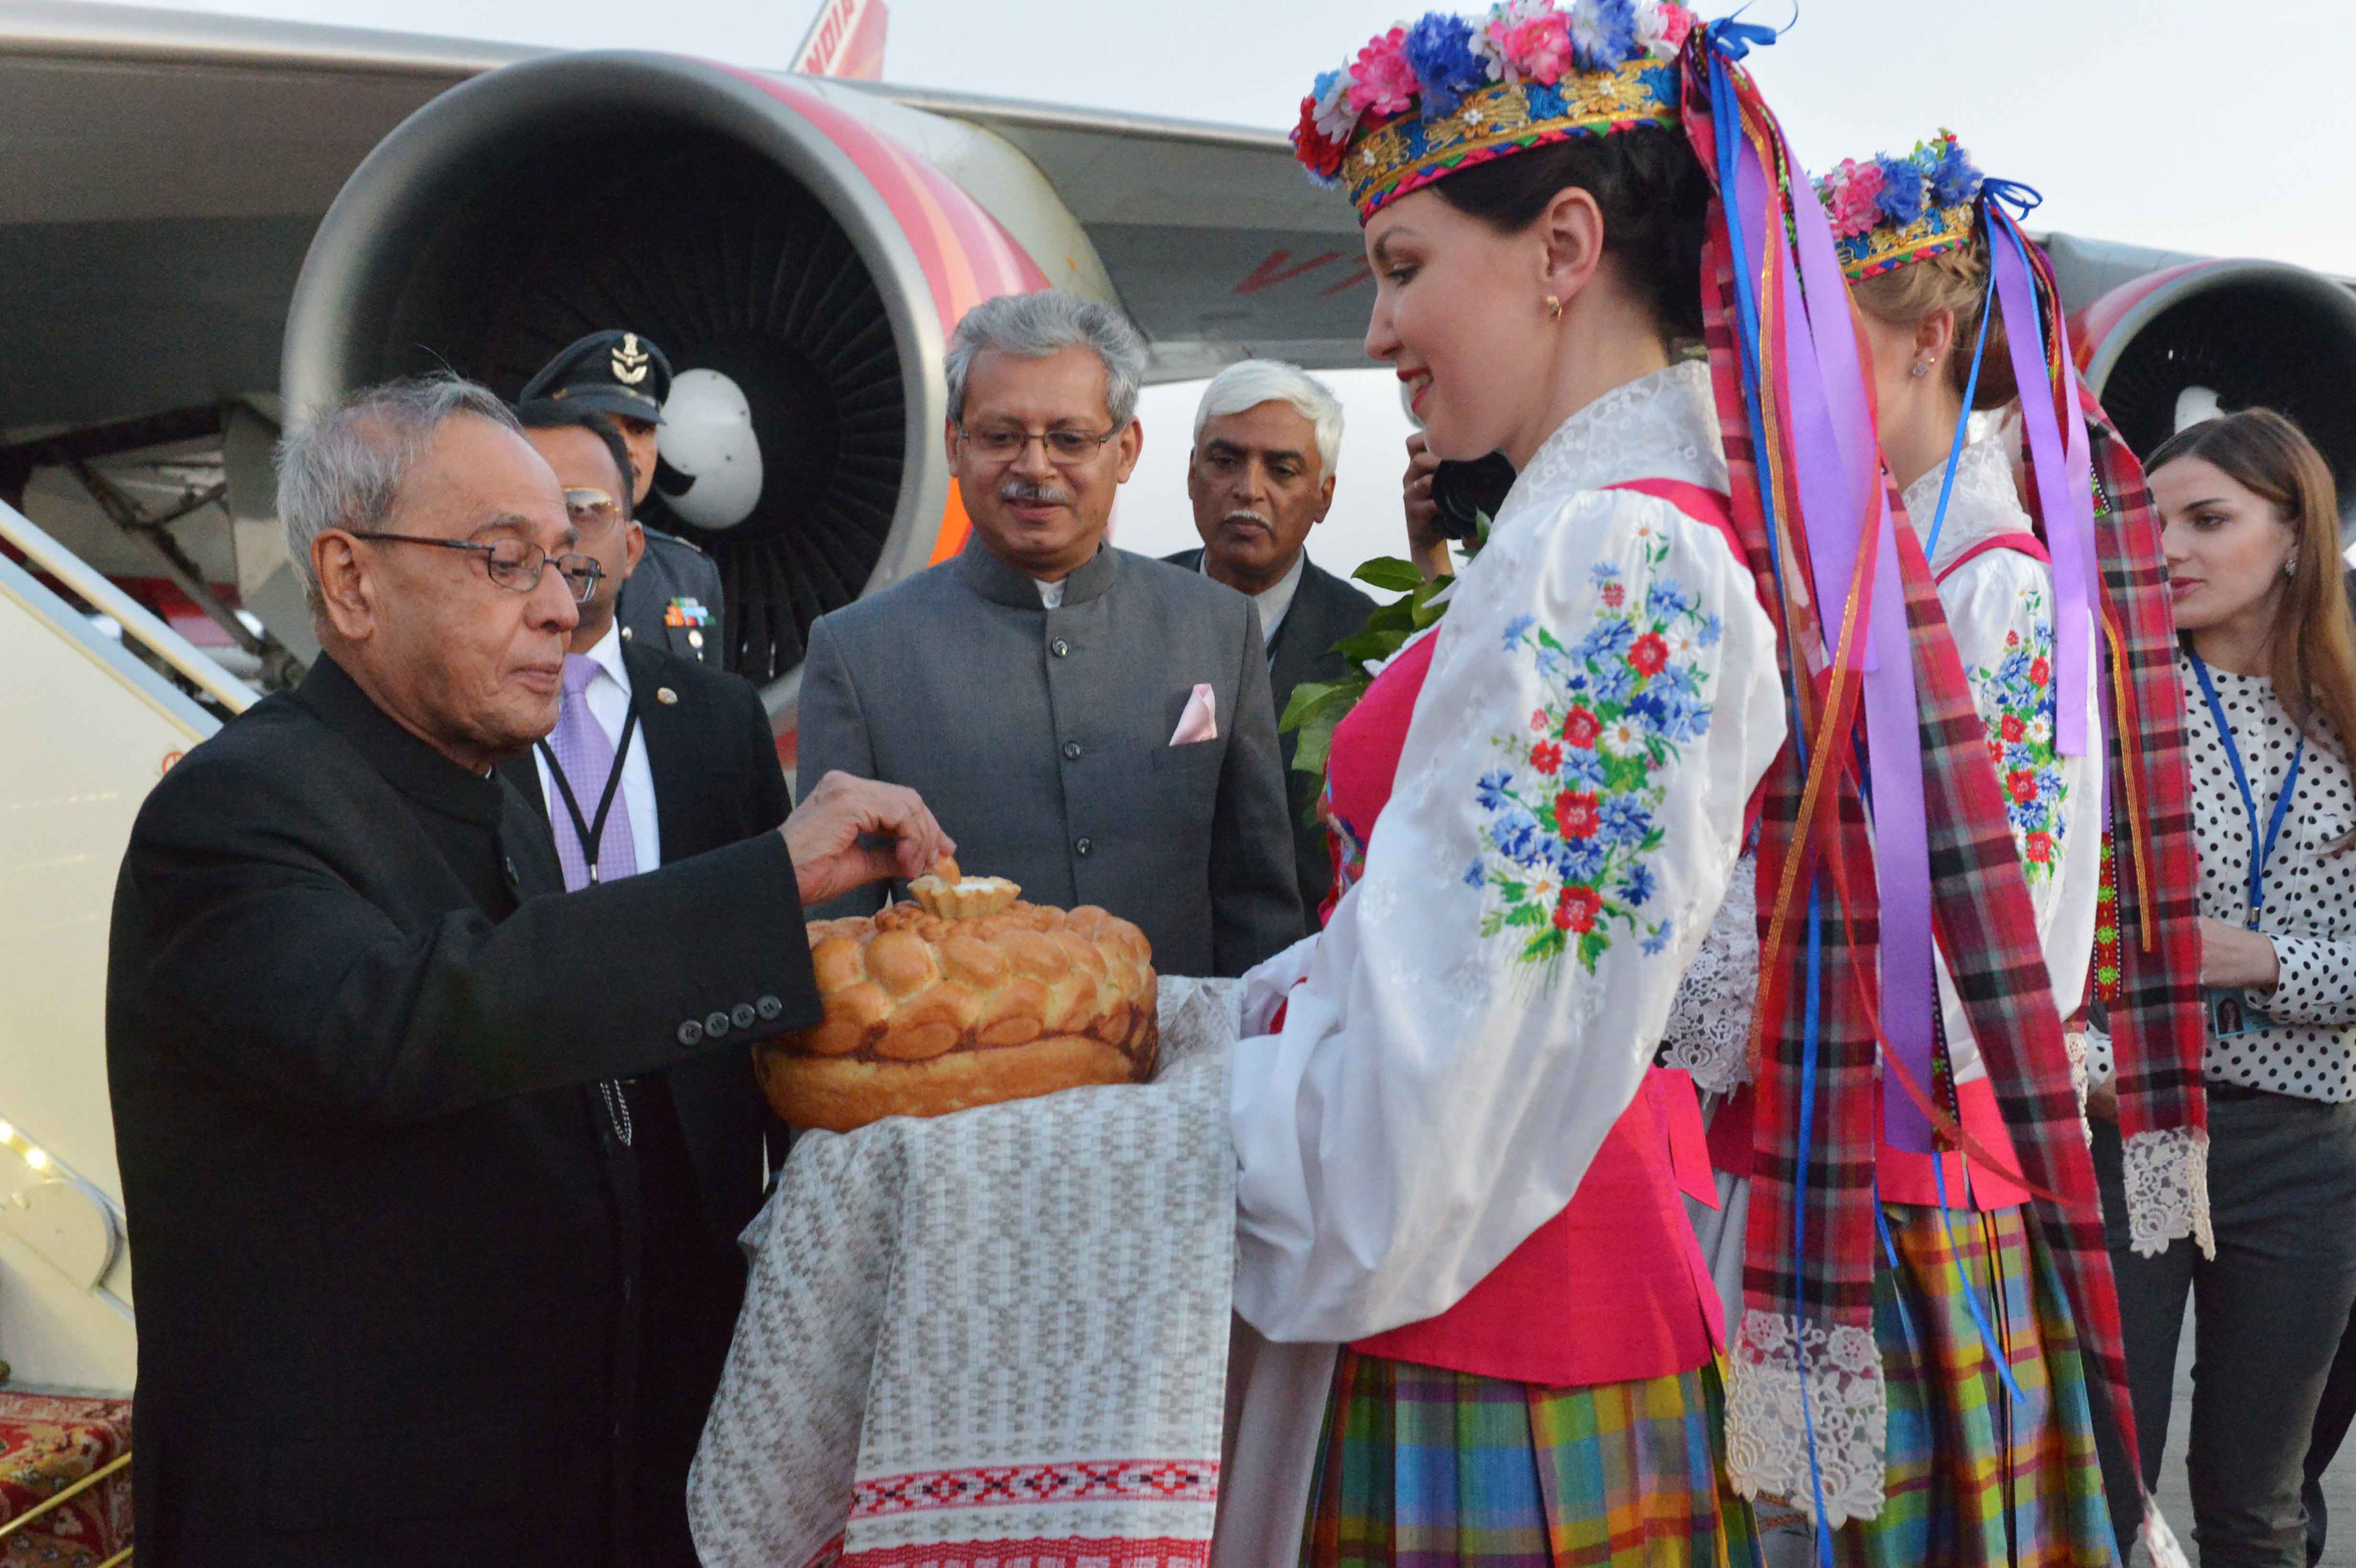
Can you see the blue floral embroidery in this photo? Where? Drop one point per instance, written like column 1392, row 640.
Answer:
column 2017, row 701
column 1573, row 814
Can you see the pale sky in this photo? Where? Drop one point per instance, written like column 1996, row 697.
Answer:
column 2213, row 128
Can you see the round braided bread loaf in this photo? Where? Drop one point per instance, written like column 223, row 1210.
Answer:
column 966, row 998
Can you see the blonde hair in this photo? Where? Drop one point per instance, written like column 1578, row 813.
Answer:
column 1955, row 280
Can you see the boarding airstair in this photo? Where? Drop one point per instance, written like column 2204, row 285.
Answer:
column 97, row 698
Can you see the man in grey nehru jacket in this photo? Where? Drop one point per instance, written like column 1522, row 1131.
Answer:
column 1093, row 724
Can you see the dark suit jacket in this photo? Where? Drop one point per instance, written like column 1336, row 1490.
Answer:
column 385, row 1305
column 1041, row 739
column 717, row 782
column 1326, row 609
column 673, row 569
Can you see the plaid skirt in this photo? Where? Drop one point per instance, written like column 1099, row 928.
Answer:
column 1421, row 1468
column 1976, row 1477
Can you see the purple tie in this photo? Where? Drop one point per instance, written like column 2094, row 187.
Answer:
column 587, row 758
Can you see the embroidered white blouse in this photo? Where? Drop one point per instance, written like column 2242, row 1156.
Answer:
column 1484, row 1003
column 1999, row 605
column 2309, row 1049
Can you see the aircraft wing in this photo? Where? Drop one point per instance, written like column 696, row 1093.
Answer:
column 163, row 172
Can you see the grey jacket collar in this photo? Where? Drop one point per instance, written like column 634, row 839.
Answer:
column 1001, row 584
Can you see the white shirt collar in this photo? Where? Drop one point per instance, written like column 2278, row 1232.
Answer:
column 607, row 652
column 1274, row 601
column 1051, row 595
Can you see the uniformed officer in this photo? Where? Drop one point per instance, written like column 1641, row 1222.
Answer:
column 673, row 598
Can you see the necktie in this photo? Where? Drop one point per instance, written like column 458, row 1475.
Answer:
column 585, row 755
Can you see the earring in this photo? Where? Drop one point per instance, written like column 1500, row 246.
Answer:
column 1919, row 369
column 1553, row 306
column 2290, row 566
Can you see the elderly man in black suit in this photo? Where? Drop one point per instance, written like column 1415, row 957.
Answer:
column 370, row 1085
column 656, row 758
column 1093, row 724
column 1267, row 436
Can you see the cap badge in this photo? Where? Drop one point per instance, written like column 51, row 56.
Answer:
column 685, row 613
column 629, row 360
column 666, row 695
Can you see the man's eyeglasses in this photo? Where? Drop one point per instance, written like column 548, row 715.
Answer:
column 513, row 563
column 1005, row 443
column 592, row 509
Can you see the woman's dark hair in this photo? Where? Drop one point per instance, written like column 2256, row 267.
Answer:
column 2313, row 666
column 1651, row 189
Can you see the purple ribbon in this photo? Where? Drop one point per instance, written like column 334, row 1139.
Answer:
column 1837, row 470
column 2062, row 460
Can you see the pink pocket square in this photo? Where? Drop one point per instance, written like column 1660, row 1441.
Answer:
column 1201, row 719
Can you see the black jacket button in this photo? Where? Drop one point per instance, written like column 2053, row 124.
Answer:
column 715, row 1024
column 1083, row 846
column 690, row 1033
column 1071, row 750
column 742, row 1015
column 770, row 1008
column 1059, row 647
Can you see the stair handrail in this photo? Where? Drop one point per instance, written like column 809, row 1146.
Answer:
column 191, row 663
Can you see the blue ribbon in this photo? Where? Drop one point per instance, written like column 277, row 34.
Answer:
column 1733, row 39
column 2023, row 199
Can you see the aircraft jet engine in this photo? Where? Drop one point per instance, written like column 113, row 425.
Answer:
column 797, row 261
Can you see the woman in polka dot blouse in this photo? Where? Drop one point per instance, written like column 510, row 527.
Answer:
column 2269, row 670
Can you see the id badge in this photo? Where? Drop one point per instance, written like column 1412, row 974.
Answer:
column 2230, row 1014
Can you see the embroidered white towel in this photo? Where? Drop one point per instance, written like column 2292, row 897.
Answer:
column 1201, row 719
column 990, row 1339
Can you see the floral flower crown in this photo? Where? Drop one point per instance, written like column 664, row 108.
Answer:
column 1886, row 211
column 1429, row 98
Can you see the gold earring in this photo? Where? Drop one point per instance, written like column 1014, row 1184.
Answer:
column 1553, row 306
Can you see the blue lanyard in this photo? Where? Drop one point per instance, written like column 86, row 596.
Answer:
column 2259, row 853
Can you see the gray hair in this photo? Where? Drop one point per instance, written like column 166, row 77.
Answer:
column 1249, row 383
column 344, row 468
column 1035, row 325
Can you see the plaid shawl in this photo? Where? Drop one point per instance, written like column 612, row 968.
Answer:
column 1806, row 1405
column 2148, row 958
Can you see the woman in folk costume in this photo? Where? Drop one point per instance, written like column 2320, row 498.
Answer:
column 1987, row 1447
column 1451, row 1152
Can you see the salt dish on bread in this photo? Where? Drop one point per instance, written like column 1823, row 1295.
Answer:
column 964, row 996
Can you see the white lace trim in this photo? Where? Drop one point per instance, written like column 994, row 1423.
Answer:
column 1984, row 502
column 1709, row 1022
column 1659, row 426
column 2158, row 1539
column 1767, row 1437
column 2166, row 1181
column 2074, row 1042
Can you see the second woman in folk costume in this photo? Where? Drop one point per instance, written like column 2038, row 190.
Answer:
column 1988, row 1445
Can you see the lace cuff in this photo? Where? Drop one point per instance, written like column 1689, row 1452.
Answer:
column 1709, row 1022
column 1768, row 1436
column 2159, row 1541
column 2166, row 1181
column 2074, row 1042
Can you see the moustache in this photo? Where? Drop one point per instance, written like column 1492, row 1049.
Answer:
column 1035, row 493
column 1245, row 515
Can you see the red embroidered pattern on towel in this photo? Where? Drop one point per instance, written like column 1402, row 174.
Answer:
column 1078, row 1481
column 1038, row 1554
